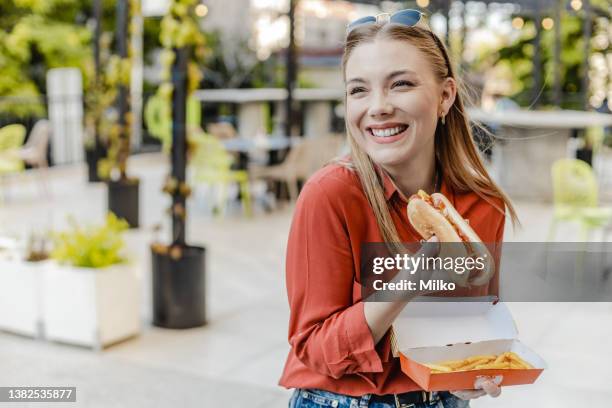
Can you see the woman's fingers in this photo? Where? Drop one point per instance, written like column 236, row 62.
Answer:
column 483, row 386
column 431, row 247
column 490, row 385
column 491, row 389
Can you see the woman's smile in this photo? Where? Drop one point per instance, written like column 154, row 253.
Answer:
column 387, row 133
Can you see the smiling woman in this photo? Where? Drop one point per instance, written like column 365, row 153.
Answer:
column 408, row 131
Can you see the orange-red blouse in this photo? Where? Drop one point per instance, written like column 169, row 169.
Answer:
column 331, row 344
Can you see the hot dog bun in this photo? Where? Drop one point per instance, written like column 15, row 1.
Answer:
column 435, row 215
column 428, row 221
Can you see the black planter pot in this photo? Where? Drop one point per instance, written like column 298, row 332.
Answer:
column 92, row 166
column 123, row 200
column 585, row 155
column 179, row 289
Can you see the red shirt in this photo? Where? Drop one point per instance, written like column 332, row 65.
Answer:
column 331, row 344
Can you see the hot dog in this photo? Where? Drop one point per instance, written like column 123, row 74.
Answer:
column 435, row 215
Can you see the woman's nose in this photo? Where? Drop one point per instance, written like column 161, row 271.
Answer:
column 380, row 105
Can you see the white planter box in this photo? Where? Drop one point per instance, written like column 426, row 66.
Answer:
column 21, row 296
column 91, row 307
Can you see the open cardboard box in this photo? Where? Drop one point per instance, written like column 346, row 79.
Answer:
column 433, row 331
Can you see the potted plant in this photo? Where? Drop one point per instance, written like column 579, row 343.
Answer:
column 21, row 285
column 91, row 293
column 179, row 268
column 123, row 191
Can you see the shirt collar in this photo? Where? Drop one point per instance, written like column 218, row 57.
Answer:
column 388, row 184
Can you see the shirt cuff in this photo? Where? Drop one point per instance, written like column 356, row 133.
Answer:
column 359, row 337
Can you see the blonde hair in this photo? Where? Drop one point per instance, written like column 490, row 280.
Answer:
column 462, row 166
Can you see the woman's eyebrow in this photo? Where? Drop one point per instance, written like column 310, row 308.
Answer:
column 360, row 80
column 391, row 75
column 401, row 72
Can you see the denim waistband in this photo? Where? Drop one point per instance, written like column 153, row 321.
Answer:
column 332, row 399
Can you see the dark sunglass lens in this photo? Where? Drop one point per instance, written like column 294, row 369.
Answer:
column 360, row 21
column 406, row 17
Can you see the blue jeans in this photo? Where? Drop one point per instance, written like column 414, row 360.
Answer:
column 312, row 398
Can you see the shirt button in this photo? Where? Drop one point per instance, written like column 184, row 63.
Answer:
column 334, row 403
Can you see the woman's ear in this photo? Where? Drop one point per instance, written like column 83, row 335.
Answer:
column 447, row 97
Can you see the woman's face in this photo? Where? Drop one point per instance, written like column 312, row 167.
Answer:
column 393, row 101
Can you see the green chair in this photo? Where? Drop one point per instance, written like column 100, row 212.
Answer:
column 576, row 197
column 210, row 163
column 11, row 140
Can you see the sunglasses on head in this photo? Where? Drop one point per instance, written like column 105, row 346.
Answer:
column 408, row 17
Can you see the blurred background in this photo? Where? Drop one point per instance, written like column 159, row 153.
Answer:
column 151, row 152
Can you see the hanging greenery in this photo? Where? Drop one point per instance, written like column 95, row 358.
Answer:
column 117, row 125
column 180, row 32
column 33, row 44
column 179, row 29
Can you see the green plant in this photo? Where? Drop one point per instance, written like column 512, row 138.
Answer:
column 91, row 246
column 517, row 58
column 184, row 44
column 117, row 81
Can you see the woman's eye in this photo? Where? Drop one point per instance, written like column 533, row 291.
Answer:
column 356, row 90
column 402, row 83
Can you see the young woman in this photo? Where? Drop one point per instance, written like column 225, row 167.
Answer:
column 407, row 130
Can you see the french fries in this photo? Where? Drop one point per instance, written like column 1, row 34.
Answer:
column 507, row 360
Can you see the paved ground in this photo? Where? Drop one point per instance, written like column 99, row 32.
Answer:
column 237, row 358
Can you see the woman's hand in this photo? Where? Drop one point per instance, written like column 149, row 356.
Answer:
column 482, row 386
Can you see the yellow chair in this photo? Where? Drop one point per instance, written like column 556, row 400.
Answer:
column 211, row 164
column 11, row 140
column 576, row 197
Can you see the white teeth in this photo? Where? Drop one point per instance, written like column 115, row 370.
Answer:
column 388, row 132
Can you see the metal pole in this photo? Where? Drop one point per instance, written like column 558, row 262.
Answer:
column 537, row 57
column 122, row 98
column 446, row 11
column 291, row 76
column 179, row 140
column 586, row 35
column 97, row 11
column 463, row 31
column 557, row 57
column 98, row 148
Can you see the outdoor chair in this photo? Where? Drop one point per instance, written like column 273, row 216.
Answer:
column 575, row 195
column 210, row 163
column 11, row 140
column 305, row 157
column 34, row 152
column 576, row 198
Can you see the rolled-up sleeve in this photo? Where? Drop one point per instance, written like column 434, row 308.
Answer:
column 327, row 330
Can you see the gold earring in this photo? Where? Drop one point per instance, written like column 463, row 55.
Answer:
column 443, row 119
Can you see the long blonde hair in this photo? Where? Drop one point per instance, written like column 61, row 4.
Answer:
column 456, row 154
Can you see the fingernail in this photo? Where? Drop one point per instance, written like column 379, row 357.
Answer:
column 498, row 379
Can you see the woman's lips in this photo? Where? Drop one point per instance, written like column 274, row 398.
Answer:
column 387, row 139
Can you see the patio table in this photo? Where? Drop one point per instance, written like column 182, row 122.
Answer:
column 245, row 146
column 529, row 142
